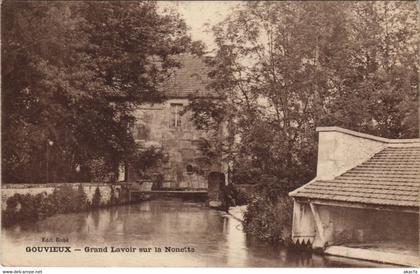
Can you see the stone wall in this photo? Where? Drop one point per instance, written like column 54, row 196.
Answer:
column 182, row 166
column 8, row 190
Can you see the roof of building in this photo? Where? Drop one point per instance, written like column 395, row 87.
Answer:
column 390, row 177
column 190, row 79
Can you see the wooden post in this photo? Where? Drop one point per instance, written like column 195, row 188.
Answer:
column 216, row 190
column 318, row 223
column 304, row 230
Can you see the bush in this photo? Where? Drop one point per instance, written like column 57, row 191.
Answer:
column 10, row 215
column 145, row 159
column 269, row 220
column 157, row 180
column 81, row 199
column 65, row 198
column 48, row 206
column 96, row 199
column 23, row 208
column 236, row 197
column 13, row 202
column 113, row 199
column 28, row 208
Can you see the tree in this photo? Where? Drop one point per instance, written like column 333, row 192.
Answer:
column 383, row 75
column 284, row 68
column 72, row 72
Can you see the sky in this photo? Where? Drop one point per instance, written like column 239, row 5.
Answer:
column 198, row 13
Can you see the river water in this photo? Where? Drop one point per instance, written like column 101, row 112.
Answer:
column 187, row 234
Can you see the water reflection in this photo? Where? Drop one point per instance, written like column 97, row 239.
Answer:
column 217, row 238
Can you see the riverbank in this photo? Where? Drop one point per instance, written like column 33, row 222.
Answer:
column 105, row 189
column 217, row 239
column 29, row 203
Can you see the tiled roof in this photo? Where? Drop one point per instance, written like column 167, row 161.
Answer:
column 190, row 79
column 390, row 177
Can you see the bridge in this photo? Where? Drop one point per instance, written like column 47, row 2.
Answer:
column 201, row 195
column 214, row 194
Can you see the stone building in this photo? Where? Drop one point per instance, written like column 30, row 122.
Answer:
column 364, row 201
column 168, row 126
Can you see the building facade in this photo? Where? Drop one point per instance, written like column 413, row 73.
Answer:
column 168, row 126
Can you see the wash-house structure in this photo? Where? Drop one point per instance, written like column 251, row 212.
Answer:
column 364, row 201
column 169, row 126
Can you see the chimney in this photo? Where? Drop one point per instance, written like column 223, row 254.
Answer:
column 341, row 149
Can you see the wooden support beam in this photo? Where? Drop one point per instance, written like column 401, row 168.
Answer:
column 318, row 223
column 361, row 206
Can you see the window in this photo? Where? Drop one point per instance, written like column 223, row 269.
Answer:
column 190, row 169
column 143, row 132
column 176, row 110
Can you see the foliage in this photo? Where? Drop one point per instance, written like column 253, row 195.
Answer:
column 269, row 212
column 99, row 170
column 112, row 197
column 96, row 199
column 49, row 205
column 25, row 208
column 81, row 198
column 72, row 72
column 28, row 207
column 144, row 159
column 236, row 196
column 8, row 215
column 157, row 180
column 64, row 199
column 285, row 68
column 269, row 220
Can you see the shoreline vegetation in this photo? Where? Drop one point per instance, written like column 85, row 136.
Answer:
column 72, row 80
column 26, row 208
column 268, row 220
column 268, row 214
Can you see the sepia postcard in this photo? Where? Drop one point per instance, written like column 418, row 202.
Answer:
column 210, row 134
